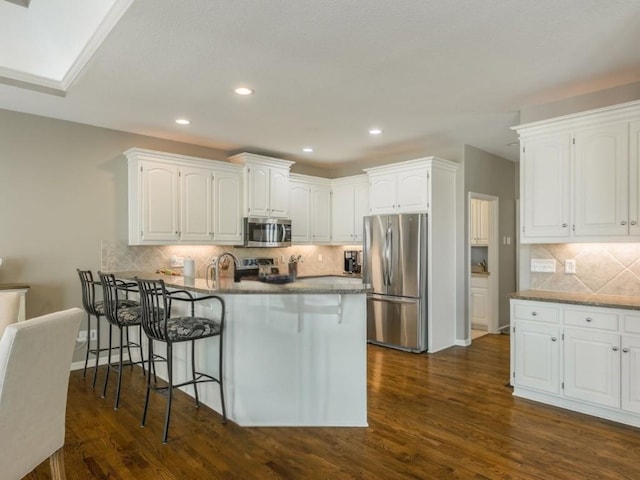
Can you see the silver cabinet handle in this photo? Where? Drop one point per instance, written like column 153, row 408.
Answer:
column 533, row 314
column 564, row 225
column 625, row 350
column 633, row 222
column 623, row 222
column 614, row 348
column 588, row 319
column 553, row 339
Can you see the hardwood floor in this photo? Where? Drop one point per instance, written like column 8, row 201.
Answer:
column 439, row 416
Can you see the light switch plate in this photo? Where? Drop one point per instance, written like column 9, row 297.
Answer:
column 545, row 265
column 177, row 261
column 570, row 266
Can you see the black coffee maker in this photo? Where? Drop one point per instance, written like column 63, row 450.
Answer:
column 353, row 261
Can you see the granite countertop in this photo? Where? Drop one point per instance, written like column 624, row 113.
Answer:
column 14, row 286
column 304, row 285
column 593, row 300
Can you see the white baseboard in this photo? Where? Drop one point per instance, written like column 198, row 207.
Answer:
column 463, row 343
column 79, row 365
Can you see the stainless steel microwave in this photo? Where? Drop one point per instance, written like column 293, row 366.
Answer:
column 266, row 232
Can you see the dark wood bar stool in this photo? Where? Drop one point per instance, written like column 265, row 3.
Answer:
column 122, row 314
column 160, row 326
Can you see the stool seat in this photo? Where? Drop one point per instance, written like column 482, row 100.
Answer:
column 122, row 303
column 188, row 328
column 129, row 316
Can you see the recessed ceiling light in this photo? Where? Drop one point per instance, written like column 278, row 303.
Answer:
column 307, row 149
column 244, row 91
column 375, row 131
column 183, row 121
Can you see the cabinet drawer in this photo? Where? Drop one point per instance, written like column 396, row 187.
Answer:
column 536, row 312
column 591, row 319
column 631, row 323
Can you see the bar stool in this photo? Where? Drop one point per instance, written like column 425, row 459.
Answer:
column 160, row 326
column 94, row 308
column 122, row 316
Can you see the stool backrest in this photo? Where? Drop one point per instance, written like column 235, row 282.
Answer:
column 156, row 308
column 109, row 296
column 88, row 291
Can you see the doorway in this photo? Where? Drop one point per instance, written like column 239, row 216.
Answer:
column 483, row 277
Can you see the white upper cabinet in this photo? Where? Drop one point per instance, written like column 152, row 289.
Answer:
column 267, row 182
column 310, row 209
column 399, row 188
column 545, row 187
column 179, row 199
column 579, row 177
column 479, row 222
column 350, row 204
column 602, row 180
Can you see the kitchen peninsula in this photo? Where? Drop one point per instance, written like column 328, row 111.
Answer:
column 294, row 354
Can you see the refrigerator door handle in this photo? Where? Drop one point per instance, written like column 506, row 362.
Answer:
column 384, row 298
column 387, row 257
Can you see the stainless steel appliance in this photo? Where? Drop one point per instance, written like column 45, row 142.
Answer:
column 266, row 232
column 395, row 264
column 353, row 261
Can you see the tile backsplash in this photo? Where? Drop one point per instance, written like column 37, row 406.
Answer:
column 602, row 268
column 119, row 256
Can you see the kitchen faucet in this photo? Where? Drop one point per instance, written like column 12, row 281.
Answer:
column 215, row 266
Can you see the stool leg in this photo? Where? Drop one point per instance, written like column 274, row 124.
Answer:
column 141, row 349
column 117, row 401
column 106, row 376
column 169, row 391
column 146, row 398
column 97, row 350
column 220, row 375
column 193, row 371
column 128, row 348
column 86, row 356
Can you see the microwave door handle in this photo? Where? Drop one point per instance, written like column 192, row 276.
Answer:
column 284, row 232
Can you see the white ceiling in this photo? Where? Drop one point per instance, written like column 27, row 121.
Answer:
column 432, row 74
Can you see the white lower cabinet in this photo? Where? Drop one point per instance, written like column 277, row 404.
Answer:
column 581, row 358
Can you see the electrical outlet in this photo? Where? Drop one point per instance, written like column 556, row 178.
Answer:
column 177, row 261
column 543, row 265
column 283, row 258
column 94, row 334
column 82, row 336
column 569, row 266
column 320, row 257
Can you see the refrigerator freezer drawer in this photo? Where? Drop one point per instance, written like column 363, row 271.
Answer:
column 396, row 322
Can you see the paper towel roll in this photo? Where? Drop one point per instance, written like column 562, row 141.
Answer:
column 189, row 269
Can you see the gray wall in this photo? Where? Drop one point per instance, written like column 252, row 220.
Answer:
column 492, row 175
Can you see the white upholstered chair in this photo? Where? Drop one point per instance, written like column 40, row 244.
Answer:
column 9, row 309
column 35, row 358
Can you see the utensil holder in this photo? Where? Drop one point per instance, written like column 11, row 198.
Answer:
column 293, row 270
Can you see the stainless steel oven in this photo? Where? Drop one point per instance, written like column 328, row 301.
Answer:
column 267, row 232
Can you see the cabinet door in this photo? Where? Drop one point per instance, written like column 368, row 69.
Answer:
column 320, row 214
column 343, row 214
column 258, row 194
column 592, row 366
column 160, row 202
column 479, row 307
column 630, row 375
column 634, row 178
column 227, row 207
column 196, row 213
column 279, row 192
column 413, row 190
column 300, row 201
column 382, row 194
column 545, row 187
column 360, row 209
column 482, row 228
column 537, row 356
column 601, row 181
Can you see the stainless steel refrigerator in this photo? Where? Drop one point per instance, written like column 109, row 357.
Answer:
column 395, row 264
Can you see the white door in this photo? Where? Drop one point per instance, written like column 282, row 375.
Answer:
column 343, row 214
column 300, row 207
column 592, row 366
column 601, row 181
column 537, row 356
column 630, row 375
column 320, row 214
column 546, row 186
column 196, row 206
column 382, row 194
column 634, row 178
column 227, row 205
column 258, row 194
column 160, row 202
column 279, row 192
column 412, row 190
